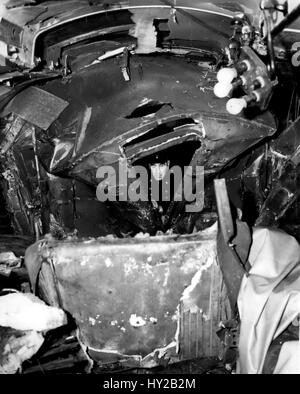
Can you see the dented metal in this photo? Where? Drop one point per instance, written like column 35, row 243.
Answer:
column 90, row 84
column 137, row 295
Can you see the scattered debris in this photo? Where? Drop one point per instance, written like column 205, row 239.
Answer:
column 161, row 357
column 17, row 346
column 8, row 261
column 61, row 352
column 27, row 312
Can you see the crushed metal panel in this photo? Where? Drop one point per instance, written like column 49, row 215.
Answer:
column 10, row 33
column 9, row 133
column 38, row 107
column 204, row 305
column 126, row 294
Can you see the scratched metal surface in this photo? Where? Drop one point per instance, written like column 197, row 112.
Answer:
column 125, row 294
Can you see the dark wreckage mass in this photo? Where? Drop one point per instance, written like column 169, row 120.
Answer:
column 149, row 186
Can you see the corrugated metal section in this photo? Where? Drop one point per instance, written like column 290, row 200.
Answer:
column 198, row 325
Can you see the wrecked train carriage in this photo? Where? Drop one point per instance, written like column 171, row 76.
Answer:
column 104, row 90
column 167, row 105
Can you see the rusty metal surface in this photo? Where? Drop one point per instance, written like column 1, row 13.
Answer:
column 125, row 295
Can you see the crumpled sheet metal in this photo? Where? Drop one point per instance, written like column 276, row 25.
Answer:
column 37, row 106
column 125, row 294
column 23, row 320
column 86, row 135
column 269, row 300
column 29, row 22
column 34, row 20
column 287, row 145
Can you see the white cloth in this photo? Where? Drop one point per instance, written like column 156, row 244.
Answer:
column 269, row 299
column 289, row 359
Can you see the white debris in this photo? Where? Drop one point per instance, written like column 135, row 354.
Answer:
column 18, row 348
column 142, row 235
column 196, row 280
column 136, row 321
column 167, row 276
column 27, row 312
column 130, row 266
column 8, row 261
column 154, row 359
column 175, row 317
column 109, row 54
column 9, row 258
